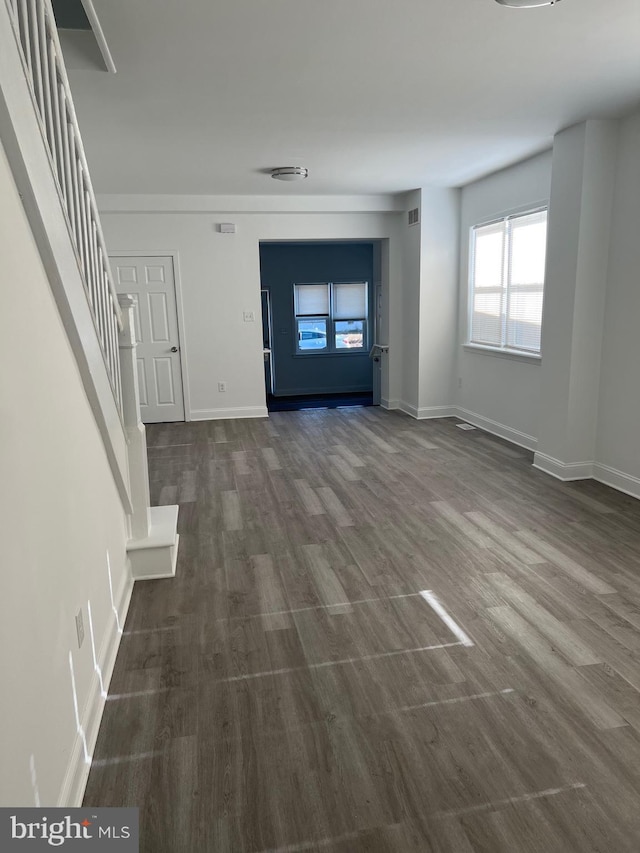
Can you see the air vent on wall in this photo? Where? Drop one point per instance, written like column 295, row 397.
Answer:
column 414, row 216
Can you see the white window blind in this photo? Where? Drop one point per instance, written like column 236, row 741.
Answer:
column 311, row 300
column 349, row 301
column 488, row 284
column 331, row 318
column 527, row 255
column 507, row 282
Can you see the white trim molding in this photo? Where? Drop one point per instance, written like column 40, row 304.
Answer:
column 564, row 471
column 429, row 412
column 159, row 203
column 408, row 409
column 522, row 439
column 99, row 35
column 75, row 780
column 426, row 412
column 513, row 355
column 626, row 483
column 226, row 414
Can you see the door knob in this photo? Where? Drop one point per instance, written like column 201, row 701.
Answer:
column 174, row 349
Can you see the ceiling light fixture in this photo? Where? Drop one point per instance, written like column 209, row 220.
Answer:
column 526, row 4
column 290, row 173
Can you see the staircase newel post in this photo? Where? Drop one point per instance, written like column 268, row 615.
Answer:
column 135, row 429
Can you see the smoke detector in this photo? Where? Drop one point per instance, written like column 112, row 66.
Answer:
column 290, row 173
column 526, row 4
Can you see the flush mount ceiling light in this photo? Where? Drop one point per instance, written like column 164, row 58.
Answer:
column 290, row 173
column 526, row 4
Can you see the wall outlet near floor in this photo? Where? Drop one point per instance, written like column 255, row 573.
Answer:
column 222, row 387
column 249, row 316
column 80, row 628
column 459, row 381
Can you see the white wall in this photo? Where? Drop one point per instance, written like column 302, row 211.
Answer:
column 61, row 517
column 219, row 279
column 501, row 391
column 582, row 189
column 579, row 406
column 439, row 273
column 429, row 301
column 618, row 442
column 411, row 265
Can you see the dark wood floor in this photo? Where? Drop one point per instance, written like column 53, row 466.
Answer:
column 290, row 690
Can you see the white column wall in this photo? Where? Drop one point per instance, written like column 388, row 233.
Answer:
column 583, row 174
column 411, row 277
column 439, row 252
column 618, row 441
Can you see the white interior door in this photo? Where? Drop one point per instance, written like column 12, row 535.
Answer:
column 151, row 283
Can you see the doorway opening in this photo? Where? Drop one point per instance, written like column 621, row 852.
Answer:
column 320, row 301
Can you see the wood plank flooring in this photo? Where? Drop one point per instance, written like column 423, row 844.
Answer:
column 291, row 690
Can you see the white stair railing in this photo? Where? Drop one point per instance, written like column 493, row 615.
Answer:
column 37, row 36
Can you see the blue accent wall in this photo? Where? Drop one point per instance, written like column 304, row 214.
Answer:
column 281, row 266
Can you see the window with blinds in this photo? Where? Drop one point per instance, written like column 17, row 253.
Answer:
column 311, row 300
column 331, row 317
column 507, row 282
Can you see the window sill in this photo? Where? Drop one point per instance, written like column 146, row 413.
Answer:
column 511, row 354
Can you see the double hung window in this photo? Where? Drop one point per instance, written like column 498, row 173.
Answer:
column 507, row 282
column 331, row 317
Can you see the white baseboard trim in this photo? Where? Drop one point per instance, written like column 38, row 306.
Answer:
column 75, row 780
column 229, row 414
column 496, row 428
column 626, row 483
column 389, row 404
column 428, row 412
column 408, row 409
column 565, row 471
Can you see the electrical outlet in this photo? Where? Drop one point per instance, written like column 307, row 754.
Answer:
column 459, row 381
column 249, row 316
column 222, row 387
column 80, row 628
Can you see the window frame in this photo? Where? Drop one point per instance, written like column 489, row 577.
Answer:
column 331, row 349
column 505, row 349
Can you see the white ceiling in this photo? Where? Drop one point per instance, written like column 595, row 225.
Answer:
column 372, row 96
